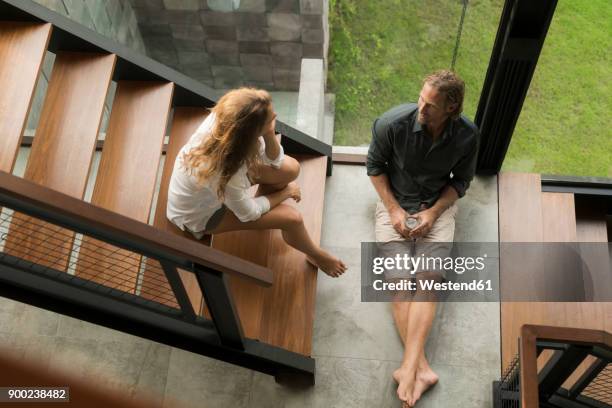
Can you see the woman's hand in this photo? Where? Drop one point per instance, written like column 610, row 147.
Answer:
column 293, row 191
column 270, row 127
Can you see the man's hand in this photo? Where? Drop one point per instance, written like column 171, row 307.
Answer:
column 398, row 220
column 426, row 221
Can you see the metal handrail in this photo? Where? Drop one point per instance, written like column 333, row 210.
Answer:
column 81, row 216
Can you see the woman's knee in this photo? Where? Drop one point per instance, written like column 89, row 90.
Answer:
column 292, row 168
column 290, row 216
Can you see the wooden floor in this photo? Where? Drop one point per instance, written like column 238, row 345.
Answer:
column 526, row 214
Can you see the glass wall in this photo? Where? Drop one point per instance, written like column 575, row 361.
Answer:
column 564, row 128
column 381, row 50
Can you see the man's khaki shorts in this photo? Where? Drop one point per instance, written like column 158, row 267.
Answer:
column 437, row 243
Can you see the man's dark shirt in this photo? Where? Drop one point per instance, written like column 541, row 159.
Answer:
column 418, row 170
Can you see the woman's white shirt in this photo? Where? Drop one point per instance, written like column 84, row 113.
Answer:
column 191, row 204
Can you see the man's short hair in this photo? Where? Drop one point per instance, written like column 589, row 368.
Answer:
column 451, row 85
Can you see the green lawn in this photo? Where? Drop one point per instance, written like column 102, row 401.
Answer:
column 381, row 49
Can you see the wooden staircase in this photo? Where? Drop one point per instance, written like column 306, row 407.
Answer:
column 145, row 105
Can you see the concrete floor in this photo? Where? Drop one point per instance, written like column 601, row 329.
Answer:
column 355, row 344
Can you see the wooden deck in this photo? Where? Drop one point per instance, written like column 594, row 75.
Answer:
column 526, row 214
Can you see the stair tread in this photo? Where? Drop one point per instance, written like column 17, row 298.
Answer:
column 154, row 285
column 283, row 314
column 66, row 133
column 22, row 49
column 127, row 175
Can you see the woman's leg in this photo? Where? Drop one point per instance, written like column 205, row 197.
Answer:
column 271, row 179
column 290, row 222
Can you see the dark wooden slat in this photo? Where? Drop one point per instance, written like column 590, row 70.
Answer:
column 558, row 217
column 22, row 49
column 184, row 123
column 126, row 177
column 66, row 133
column 520, row 207
column 591, row 219
column 591, row 227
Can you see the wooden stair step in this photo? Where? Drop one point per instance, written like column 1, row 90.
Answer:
column 62, row 151
column 248, row 298
column 22, row 49
column 289, row 305
column 126, row 176
column 154, row 284
column 282, row 315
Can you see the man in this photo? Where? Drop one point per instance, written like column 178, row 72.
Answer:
column 414, row 151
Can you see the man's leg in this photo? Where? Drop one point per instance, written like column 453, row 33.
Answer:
column 415, row 376
column 414, row 371
column 386, row 234
column 425, row 377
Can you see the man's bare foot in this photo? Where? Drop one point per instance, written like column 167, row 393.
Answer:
column 425, row 379
column 406, row 380
column 328, row 263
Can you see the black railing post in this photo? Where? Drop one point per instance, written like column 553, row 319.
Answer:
column 178, row 289
column 215, row 288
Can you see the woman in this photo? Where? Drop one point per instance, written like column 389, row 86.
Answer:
column 208, row 192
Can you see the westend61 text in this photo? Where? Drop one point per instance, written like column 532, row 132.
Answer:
column 432, row 284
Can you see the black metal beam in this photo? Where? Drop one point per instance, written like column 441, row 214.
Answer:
column 549, row 345
column 563, row 402
column 69, row 295
column 178, row 289
column 591, row 403
column 603, row 353
column 594, row 186
column 519, row 40
column 558, row 368
column 585, row 379
column 497, row 401
column 215, row 287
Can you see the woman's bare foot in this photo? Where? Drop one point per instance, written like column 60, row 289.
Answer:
column 425, row 379
column 406, row 380
column 328, row 263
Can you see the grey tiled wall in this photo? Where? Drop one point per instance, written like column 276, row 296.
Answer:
column 114, row 19
column 227, row 43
